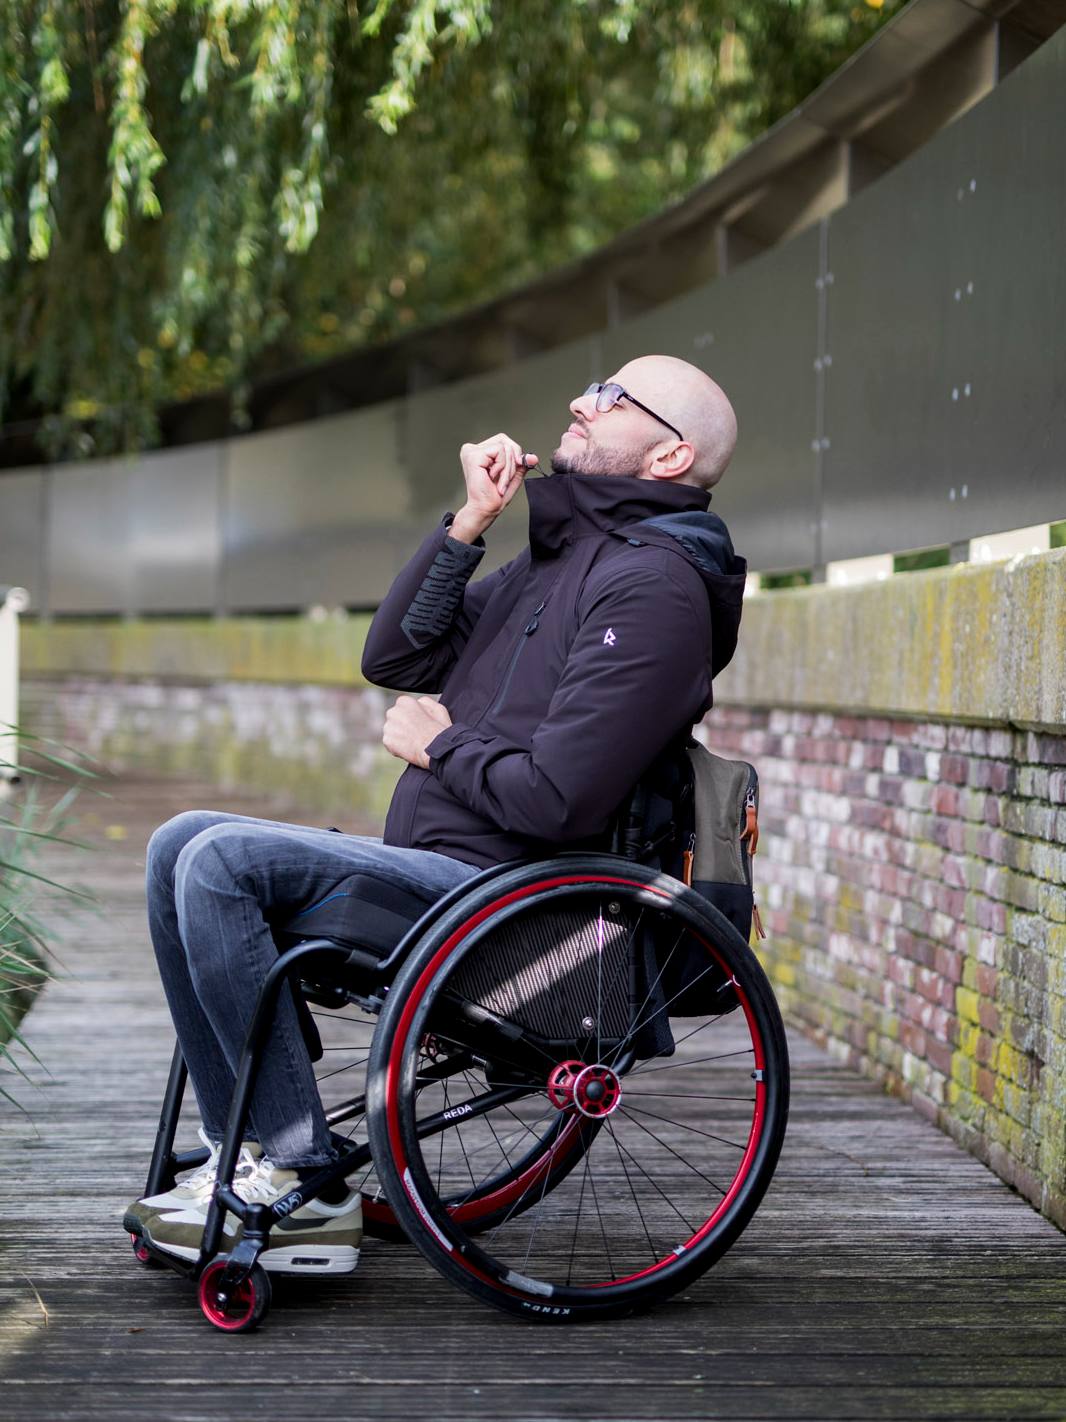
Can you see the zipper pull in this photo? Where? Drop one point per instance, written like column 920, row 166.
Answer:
column 756, row 919
column 687, row 858
column 534, row 622
column 751, row 824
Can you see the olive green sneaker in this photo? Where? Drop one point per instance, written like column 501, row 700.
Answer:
column 318, row 1238
column 200, row 1185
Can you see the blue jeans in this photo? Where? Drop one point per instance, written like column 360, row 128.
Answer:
column 211, row 877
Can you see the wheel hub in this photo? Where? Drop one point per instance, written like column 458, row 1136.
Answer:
column 594, row 1090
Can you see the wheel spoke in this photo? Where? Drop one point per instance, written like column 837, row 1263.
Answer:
column 711, row 966
column 687, row 1126
column 488, row 1122
column 691, row 1061
column 599, row 1216
column 651, row 990
column 655, row 1186
column 632, row 1191
column 624, row 959
column 676, row 1154
column 688, row 1096
column 577, row 1219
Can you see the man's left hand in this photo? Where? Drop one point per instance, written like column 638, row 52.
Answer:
column 410, row 725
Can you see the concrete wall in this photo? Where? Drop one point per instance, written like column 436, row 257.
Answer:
column 911, row 740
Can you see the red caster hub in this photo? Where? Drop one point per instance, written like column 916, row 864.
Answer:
column 246, row 1304
column 595, row 1090
column 142, row 1253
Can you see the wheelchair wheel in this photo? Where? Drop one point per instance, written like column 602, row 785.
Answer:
column 565, row 984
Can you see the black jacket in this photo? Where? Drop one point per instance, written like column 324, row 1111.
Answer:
column 565, row 672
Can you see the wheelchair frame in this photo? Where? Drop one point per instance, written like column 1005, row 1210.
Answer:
column 234, row 1289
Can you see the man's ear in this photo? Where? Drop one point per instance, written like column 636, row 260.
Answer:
column 677, row 460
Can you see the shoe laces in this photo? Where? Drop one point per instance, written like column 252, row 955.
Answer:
column 259, row 1184
column 205, row 1176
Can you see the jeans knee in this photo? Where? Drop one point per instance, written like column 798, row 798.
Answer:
column 213, row 859
column 168, row 841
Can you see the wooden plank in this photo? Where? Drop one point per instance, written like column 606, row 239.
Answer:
column 887, row 1275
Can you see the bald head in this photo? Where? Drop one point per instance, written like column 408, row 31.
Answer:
column 676, row 426
column 689, row 399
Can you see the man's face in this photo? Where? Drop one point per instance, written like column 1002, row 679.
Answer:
column 617, row 441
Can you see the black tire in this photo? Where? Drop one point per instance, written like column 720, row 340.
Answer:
column 541, row 969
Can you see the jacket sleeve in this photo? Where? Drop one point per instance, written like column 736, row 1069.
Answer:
column 427, row 616
column 637, row 674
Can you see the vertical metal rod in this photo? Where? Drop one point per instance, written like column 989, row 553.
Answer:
column 12, row 602
column 161, row 1170
column 820, row 365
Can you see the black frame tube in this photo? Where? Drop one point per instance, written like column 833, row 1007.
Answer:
column 161, row 1168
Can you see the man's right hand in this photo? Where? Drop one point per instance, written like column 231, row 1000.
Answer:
column 493, row 471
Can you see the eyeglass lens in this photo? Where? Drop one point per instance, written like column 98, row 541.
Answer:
column 607, row 396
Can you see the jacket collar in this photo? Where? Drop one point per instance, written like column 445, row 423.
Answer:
column 565, row 507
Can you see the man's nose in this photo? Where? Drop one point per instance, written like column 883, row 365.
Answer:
column 585, row 406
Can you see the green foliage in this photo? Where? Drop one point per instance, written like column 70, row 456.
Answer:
column 924, row 558
column 25, row 825
column 771, row 582
column 193, row 190
column 1058, row 535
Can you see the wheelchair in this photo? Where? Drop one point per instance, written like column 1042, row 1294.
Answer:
column 565, row 1083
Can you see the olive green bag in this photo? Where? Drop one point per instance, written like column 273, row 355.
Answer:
column 723, row 836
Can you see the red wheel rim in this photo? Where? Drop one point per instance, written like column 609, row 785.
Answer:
column 241, row 1300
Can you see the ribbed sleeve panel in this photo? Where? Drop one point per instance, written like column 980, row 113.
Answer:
column 437, row 601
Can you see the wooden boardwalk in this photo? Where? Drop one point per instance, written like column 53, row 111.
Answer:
column 887, row 1275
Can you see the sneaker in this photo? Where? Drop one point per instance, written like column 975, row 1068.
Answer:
column 200, row 1185
column 318, row 1238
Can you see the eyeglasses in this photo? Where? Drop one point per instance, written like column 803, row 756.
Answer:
column 609, row 395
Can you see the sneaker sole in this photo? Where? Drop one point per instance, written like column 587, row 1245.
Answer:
column 288, row 1259
column 331, row 1259
column 311, row 1259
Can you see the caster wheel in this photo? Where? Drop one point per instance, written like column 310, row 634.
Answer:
column 142, row 1253
column 246, row 1305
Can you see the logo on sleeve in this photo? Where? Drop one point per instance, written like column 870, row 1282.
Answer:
column 609, row 638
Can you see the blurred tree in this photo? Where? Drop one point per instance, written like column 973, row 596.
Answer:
column 192, row 191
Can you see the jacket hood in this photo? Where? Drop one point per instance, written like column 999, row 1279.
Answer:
column 702, row 539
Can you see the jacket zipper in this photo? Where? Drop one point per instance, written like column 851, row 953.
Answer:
column 530, row 627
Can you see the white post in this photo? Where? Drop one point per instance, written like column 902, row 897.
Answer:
column 12, row 602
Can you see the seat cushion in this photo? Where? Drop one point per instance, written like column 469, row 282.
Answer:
column 361, row 911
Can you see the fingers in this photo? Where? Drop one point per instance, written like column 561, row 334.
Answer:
column 520, row 465
column 435, row 709
column 505, row 455
column 494, row 468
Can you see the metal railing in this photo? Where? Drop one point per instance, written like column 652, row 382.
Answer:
column 12, row 602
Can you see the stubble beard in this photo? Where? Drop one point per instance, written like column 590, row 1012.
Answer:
column 596, row 461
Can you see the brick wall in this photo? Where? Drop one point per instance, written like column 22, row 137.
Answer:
column 911, row 879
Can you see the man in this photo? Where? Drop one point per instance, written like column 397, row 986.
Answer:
column 561, row 677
